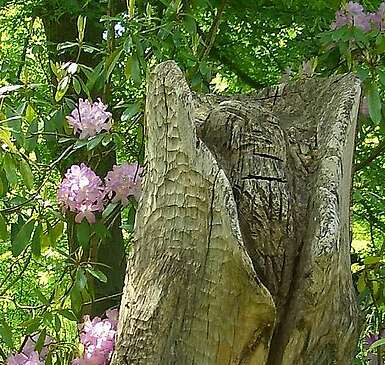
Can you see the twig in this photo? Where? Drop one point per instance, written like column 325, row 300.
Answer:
column 377, row 151
column 213, row 30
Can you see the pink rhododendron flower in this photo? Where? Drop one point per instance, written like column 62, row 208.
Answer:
column 377, row 18
column 82, row 192
column 124, row 181
column 353, row 14
column 90, row 119
column 22, row 359
column 98, row 337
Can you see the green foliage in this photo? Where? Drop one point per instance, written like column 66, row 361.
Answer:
column 49, row 268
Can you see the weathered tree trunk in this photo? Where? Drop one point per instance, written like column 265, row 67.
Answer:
column 242, row 240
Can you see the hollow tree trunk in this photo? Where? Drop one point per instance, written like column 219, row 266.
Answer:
column 242, row 241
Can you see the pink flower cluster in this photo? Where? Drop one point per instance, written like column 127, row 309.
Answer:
column 353, row 14
column 22, row 359
column 98, row 337
column 124, row 181
column 90, row 119
column 83, row 192
column 28, row 355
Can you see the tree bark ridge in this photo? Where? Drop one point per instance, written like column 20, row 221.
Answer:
column 242, row 248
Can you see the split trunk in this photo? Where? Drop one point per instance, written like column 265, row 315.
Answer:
column 241, row 253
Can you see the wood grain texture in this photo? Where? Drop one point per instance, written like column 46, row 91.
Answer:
column 241, row 253
column 191, row 295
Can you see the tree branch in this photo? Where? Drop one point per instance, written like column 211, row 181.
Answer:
column 376, row 152
column 213, row 30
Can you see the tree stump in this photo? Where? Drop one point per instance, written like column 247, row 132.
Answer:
column 242, row 241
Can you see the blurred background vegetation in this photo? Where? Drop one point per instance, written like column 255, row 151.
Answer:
column 224, row 47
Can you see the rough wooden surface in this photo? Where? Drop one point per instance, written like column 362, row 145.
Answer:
column 191, row 295
column 269, row 210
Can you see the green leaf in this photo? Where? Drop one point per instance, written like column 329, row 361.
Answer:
column 129, row 112
column 95, row 141
column 6, row 333
column 98, row 274
column 95, row 75
column 371, row 260
column 31, row 140
column 56, row 232
column 381, row 76
column 36, row 240
column 10, row 169
column 80, row 143
column 109, row 209
column 60, row 47
column 361, row 283
column 362, row 72
column 76, row 85
column 83, row 233
column 22, row 238
column 4, row 235
column 62, row 88
column 374, row 103
column 69, row 314
column 41, row 296
column 32, row 325
column 132, row 70
column 101, row 231
column 380, row 43
column 190, row 24
column 30, row 113
column 57, row 323
column 81, row 279
column 111, row 62
column 26, row 173
column 106, row 139
column 3, row 183
column 81, row 27
column 40, row 341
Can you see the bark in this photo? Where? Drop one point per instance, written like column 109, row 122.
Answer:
column 241, row 253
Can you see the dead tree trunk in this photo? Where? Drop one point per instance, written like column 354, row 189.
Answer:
column 242, row 241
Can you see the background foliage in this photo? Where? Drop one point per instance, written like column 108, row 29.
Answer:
column 223, row 46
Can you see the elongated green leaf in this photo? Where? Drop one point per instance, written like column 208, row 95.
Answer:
column 94, row 142
column 69, row 314
column 40, row 341
column 83, row 233
column 374, row 103
column 36, row 240
column 76, row 85
column 101, row 276
column 111, row 62
column 10, row 169
column 132, row 70
column 81, row 27
column 81, row 279
column 56, row 232
column 6, row 333
column 26, row 173
column 4, row 235
column 22, row 238
column 62, row 88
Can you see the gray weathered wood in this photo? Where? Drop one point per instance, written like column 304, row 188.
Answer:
column 241, row 253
